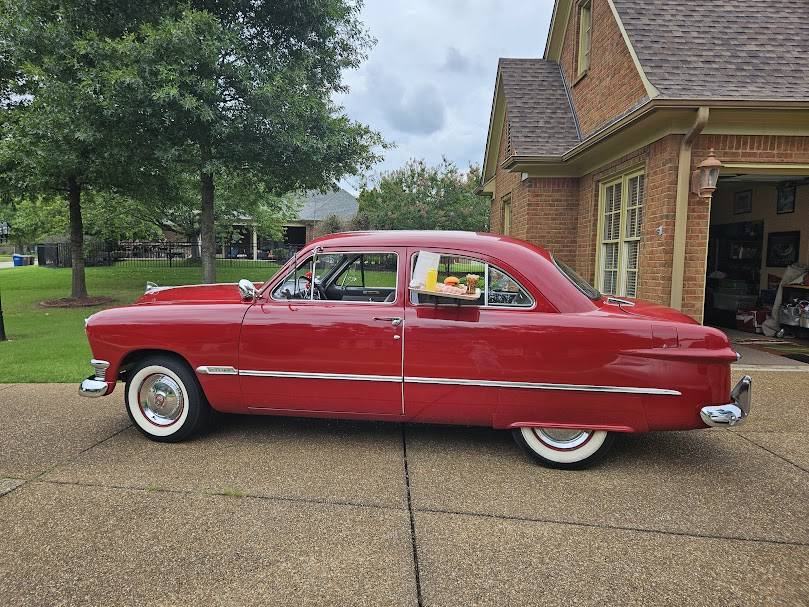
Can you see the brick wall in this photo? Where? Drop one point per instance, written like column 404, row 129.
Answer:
column 550, row 206
column 654, row 274
column 612, row 84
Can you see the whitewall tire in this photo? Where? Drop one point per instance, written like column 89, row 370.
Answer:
column 164, row 400
column 564, row 448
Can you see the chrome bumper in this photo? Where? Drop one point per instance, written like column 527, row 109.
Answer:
column 95, row 385
column 733, row 413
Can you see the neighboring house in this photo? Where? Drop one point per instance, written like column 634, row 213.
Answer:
column 591, row 148
column 316, row 207
column 244, row 241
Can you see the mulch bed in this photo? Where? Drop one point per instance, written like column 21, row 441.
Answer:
column 69, row 302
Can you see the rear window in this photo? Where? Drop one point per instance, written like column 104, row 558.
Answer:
column 581, row 284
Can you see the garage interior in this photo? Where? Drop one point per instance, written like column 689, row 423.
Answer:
column 759, row 227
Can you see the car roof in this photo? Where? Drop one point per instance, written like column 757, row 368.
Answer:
column 495, row 245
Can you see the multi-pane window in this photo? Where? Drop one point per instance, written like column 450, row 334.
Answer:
column 621, row 221
column 585, row 28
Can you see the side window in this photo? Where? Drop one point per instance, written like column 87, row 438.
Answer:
column 503, row 290
column 294, row 284
column 454, row 269
column 345, row 277
column 370, row 271
column 497, row 288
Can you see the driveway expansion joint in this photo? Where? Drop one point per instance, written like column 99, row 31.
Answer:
column 414, row 542
column 526, row 519
column 68, row 460
column 214, row 493
column 779, row 456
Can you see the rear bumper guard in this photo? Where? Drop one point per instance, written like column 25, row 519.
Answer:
column 733, row 413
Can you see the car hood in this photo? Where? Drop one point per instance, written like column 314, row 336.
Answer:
column 645, row 309
column 211, row 293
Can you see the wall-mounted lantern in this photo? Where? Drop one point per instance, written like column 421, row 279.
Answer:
column 703, row 180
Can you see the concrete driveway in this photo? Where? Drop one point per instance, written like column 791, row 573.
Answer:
column 273, row 511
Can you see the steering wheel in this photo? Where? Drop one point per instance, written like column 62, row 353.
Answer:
column 319, row 292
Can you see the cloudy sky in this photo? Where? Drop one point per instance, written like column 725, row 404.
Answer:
column 427, row 85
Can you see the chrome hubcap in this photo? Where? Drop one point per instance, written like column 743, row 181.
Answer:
column 161, row 399
column 562, row 438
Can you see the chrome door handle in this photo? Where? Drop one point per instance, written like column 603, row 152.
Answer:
column 394, row 320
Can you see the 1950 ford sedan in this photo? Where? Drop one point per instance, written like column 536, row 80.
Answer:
column 346, row 330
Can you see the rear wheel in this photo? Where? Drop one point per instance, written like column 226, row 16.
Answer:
column 164, row 400
column 564, row 447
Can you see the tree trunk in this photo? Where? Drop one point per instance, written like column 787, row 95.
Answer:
column 206, row 227
column 79, row 285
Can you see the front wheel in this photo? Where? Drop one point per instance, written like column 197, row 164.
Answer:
column 164, row 400
column 562, row 447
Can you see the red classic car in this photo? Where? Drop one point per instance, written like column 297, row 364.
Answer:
column 346, row 330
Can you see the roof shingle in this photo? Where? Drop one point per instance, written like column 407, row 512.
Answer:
column 538, row 109
column 740, row 49
column 318, row 205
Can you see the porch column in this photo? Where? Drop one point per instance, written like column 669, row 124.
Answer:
column 255, row 243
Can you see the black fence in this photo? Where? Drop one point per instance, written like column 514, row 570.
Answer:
column 164, row 254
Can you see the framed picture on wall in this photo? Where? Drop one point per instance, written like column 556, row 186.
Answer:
column 785, row 202
column 782, row 248
column 743, row 202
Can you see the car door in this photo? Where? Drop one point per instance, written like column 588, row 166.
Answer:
column 327, row 355
column 456, row 352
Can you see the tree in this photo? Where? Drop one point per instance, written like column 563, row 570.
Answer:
column 420, row 197
column 56, row 135
column 245, row 87
column 31, row 219
column 331, row 224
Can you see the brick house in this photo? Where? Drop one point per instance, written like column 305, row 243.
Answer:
column 591, row 148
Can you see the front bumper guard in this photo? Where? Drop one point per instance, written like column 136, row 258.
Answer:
column 95, row 385
column 733, row 413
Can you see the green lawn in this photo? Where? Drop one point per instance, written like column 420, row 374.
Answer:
column 49, row 345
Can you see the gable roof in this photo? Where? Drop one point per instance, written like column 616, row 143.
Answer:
column 538, row 109
column 319, row 205
column 740, row 49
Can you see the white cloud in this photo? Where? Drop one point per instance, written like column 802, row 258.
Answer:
column 427, row 85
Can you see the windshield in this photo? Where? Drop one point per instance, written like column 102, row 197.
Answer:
column 581, row 284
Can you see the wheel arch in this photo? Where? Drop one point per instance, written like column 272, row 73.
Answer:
column 133, row 357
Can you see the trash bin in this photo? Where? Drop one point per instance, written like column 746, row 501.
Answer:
column 27, row 260
column 17, row 260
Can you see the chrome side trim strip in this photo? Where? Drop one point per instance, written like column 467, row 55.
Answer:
column 339, row 376
column 464, row 382
column 216, row 370
column 540, row 386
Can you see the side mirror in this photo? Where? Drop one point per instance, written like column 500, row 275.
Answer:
column 247, row 290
